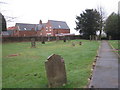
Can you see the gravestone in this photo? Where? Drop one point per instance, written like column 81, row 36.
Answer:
column 73, row 44
column 57, row 38
column 96, row 38
column 110, row 37
column 55, row 69
column 33, row 43
column 43, row 41
column 68, row 38
column 64, row 39
column 48, row 38
column 80, row 43
column 90, row 37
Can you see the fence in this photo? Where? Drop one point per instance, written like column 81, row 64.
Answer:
column 27, row 39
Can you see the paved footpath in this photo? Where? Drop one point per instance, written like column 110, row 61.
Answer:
column 105, row 74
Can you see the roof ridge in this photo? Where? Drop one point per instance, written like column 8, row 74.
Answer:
column 25, row 23
column 56, row 21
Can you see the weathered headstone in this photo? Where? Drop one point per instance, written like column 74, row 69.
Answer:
column 43, row 41
column 55, row 69
column 80, row 43
column 90, row 37
column 93, row 37
column 68, row 38
column 33, row 43
column 64, row 39
column 110, row 37
column 57, row 38
column 96, row 38
column 73, row 44
column 48, row 38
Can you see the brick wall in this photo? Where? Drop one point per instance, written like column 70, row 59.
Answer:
column 25, row 33
column 58, row 31
column 24, row 39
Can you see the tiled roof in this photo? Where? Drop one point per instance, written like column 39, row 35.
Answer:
column 23, row 26
column 12, row 28
column 58, row 24
column 8, row 32
column 55, row 25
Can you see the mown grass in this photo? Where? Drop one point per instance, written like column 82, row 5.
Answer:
column 19, row 71
column 115, row 45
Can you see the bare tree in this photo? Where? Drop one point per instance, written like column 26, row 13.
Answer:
column 7, row 18
column 102, row 15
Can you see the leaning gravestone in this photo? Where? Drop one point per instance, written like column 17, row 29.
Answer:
column 33, row 43
column 55, row 69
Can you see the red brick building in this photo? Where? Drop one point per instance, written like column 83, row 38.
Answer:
column 51, row 28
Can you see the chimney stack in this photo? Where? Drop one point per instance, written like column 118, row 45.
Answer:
column 40, row 22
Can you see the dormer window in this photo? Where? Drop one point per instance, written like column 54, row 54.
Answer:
column 25, row 29
column 59, row 26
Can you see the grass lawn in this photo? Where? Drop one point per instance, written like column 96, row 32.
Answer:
column 114, row 43
column 18, row 71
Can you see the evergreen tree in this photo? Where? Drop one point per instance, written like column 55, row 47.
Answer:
column 111, row 26
column 88, row 22
column 2, row 23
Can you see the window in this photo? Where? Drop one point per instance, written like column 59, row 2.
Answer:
column 48, row 34
column 25, row 29
column 46, row 28
column 50, row 30
column 50, row 27
column 59, row 26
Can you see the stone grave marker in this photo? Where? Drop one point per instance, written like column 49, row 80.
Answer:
column 64, row 39
column 90, row 37
column 73, row 44
column 33, row 45
column 48, row 38
column 43, row 41
column 55, row 70
column 68, row 38
column 96, row 38
column 57, row 38
column 80, row 43
column 110, row 37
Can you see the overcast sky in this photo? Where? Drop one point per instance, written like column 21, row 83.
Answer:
column 31, row 11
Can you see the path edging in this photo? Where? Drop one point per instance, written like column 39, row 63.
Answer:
column 96, row 58
column 114, row 48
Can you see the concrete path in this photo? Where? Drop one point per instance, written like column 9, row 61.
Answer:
column 105, row 74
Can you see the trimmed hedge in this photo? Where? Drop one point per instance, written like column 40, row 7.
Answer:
column 27, row 39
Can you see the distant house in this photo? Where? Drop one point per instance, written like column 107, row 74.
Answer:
column 24, row 29
column 9, row 32
column 51, row 28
